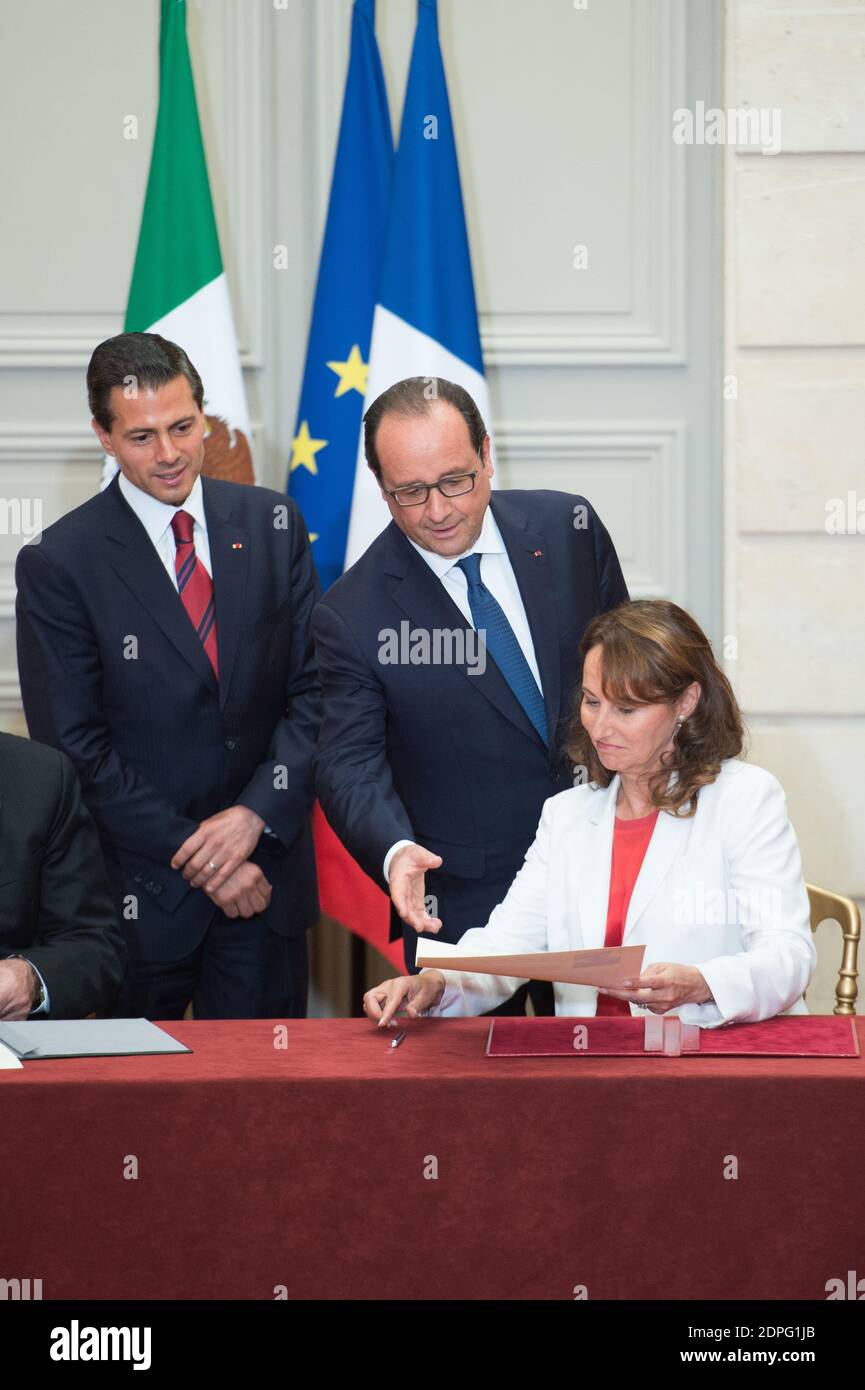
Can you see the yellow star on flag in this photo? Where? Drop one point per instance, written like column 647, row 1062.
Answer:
column 313, row 536
column 352, row 373
column 304, row 450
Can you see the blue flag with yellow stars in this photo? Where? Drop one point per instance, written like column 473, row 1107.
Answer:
column 325, row 445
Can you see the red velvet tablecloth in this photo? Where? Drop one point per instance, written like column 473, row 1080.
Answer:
column 307, row 1168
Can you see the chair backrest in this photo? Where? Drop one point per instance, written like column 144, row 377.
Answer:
column 845, row 912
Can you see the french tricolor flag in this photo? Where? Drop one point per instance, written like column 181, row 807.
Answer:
column 425, row 321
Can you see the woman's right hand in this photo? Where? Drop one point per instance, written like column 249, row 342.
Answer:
column 414, row 993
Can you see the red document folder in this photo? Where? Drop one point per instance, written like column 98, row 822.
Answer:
column 810, row 1035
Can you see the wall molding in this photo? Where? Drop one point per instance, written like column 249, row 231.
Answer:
column 653, row 331
column 230, row 53
column 66, row 442
column 645, row 458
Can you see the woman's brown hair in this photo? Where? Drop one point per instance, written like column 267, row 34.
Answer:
column 651, row 651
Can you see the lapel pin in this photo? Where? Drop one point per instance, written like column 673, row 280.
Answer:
column 237, row 545
column 537, row 554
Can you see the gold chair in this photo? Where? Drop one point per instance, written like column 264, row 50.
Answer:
column 845, row 912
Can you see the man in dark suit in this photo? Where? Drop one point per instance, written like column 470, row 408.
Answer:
column 436, row 751
column 61, row 954
column 164, row 645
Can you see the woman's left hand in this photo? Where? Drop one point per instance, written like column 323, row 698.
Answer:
column 662, row 987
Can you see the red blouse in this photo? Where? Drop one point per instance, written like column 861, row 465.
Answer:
column 630, row 842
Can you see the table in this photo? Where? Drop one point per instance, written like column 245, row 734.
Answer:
column 302, row 1169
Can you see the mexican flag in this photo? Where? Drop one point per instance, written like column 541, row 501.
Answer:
column 178, row 286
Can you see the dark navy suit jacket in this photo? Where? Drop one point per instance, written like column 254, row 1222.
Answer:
column 432, row 753
column 113, row 674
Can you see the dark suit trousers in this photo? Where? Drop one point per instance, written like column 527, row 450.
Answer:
column 241, row 969
column 541, row 994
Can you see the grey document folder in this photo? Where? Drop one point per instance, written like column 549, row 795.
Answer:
column 86, row 1037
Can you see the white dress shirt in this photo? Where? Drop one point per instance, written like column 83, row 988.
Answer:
column 156, row 516
column 498, row 576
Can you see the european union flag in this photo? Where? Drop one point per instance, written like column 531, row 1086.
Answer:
column 325, row 447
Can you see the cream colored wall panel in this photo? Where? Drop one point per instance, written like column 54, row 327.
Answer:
column 633, row 476
column 807, row 61
column 70, row 231
column 801, row 626
column 818, row 763
column 226, row 41
column 564, row 124
column 44, row 473
column 800, row 250
column 799, row 430
column 794, row 286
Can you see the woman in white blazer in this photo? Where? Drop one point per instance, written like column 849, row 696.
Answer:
column 670, row 842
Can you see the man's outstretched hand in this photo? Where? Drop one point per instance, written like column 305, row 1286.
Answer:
column 406, row 882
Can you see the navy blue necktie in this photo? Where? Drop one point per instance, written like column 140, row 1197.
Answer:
column 502, row 645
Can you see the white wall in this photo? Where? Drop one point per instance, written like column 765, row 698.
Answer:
column 602, row 379
column 795, row 343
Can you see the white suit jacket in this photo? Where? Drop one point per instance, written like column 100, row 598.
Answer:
column 721, row 890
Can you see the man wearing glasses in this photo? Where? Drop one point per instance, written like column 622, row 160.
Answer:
column 432, row 769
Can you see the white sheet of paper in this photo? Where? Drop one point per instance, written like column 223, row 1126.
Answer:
column 8, row 1058
column 605, row 967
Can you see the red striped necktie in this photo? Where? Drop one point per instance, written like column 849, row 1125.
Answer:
column 195, row 585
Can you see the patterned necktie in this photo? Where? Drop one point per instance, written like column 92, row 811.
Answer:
column 502, row 645
column 195, row 586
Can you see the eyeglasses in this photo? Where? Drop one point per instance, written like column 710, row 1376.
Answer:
column 417, row 493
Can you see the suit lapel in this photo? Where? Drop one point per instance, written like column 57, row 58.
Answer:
column 135, row 562
column 229, row 557
column 669, row 839
column 527, row 552
column 426, row 602
column 592, row 869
